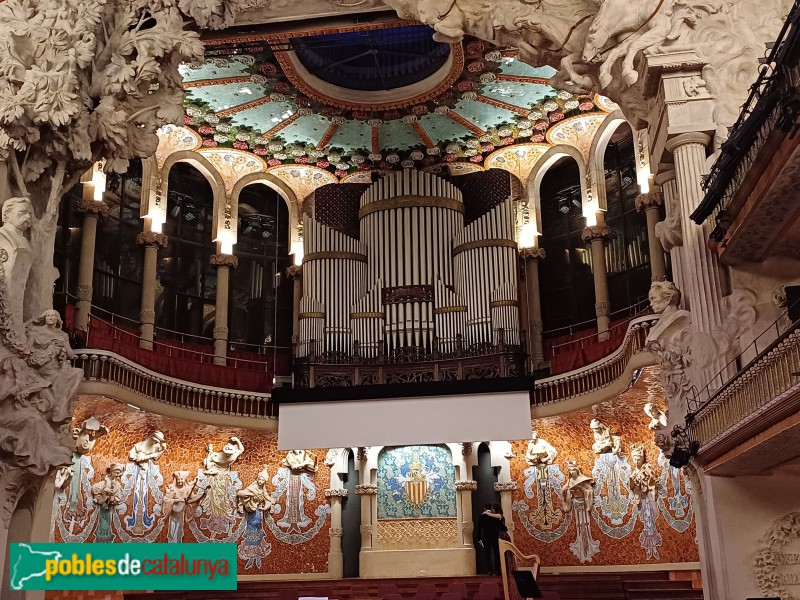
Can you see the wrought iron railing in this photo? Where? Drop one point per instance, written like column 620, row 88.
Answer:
column 107, row 367
column 599, row 374
column 754, row 390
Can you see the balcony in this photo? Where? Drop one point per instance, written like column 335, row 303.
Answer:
column 754, row 412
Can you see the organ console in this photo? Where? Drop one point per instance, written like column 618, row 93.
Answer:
column 416, row 277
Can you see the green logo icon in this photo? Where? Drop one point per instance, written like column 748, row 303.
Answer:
column 123, row 567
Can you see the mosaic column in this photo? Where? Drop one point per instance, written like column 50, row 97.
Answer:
column 223, row 263
column 295, row 273
column 151, row 241
column 506, row 489
column 649, row 203
column 335, row 555
column 92, row 211
column 367, row 492
column 597, row 235
column 464, row 490
column 532, row 257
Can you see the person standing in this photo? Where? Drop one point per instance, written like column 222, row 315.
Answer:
column 488, row 534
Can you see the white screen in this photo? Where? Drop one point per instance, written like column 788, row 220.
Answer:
column 405, row 421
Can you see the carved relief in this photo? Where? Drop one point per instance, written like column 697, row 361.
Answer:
column 771, row 560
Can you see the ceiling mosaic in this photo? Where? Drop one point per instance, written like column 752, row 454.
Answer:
column 441, row 104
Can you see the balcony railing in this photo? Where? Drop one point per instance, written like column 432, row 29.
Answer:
column 107, row 367
column 601, row 373
column 410, row 365
column 765, row 390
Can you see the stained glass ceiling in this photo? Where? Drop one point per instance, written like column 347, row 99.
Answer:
column 314, row 100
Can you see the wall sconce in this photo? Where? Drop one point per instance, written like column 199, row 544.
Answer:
column 527, row 235
column 297, row 252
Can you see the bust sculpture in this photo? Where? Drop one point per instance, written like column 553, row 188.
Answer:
column 87, row 434
column 300, row 460
column 658, row 418
column 578, row 485
column 16, row 252
column 540, row 453
column 665, row 298
column 148, row 449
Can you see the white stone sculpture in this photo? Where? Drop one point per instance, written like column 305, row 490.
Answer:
column 216, row 462
column 540, row 452
column 643, row 479
column 108, row 492
column 175, row 499
column 16, row 252
column 151, row 448
column 577, row 485
column 658, row 418
column 256, row 496
column 604, row 442
column 85, row 437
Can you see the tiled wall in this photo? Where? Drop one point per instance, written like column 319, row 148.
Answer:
column 618, row 531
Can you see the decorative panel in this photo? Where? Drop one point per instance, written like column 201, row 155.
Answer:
column 416, row 482
column 414, row 534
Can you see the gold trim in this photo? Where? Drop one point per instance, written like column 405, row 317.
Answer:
column 334, row 255
column 499, row 303
column 496, row 243
column 311, row 315
column 410, row 202
column 449, row 309
column 367, row 315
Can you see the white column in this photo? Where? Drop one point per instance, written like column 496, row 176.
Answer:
column 151, row 241
column 506, row 490
column 335, row 555
column 597, row 235
column 701, row 285
column 93, row 210
column 464, row 490
column 649, row 203
column 670, row 231
column 367, row 492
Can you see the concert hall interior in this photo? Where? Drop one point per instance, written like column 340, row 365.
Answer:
column 407, row 299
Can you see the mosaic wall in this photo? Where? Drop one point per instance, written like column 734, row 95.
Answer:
column 416, row 482
column 637, row 514
column 210, row 484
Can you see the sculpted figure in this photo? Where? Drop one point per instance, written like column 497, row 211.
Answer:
column 256, row 496
column 85, row 436
column 108, row 492
column 222, row 460
column 16, row 252
column 300, row 460
column 603, row 440
column 658, row 419
column 148, row 449
column 643, row 479
column 540, row 452
column 175, row 500
column 578, row 485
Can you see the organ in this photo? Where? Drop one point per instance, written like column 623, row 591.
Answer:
column 416, row 279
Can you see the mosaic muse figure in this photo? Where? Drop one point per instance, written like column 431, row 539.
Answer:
column 296, row 478
column 254, row 501
column 85, row 436
column 175, row 500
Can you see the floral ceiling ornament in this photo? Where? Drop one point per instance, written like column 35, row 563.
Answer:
column 518, row 160
column 173, row 138
column 577, row 132
column 232, row 165
column 303, row 180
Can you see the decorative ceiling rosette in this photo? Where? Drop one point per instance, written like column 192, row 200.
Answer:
column 383, row 98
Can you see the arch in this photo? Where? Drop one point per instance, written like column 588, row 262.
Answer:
column 207, row 169
column 597, row 154
column 276, row 184
column 547, row 160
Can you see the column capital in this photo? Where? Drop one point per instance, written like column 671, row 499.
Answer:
column 666, row 172
column 151, row 238
column 505, row 486
column 336, row 493
column 595, row 232
column 537, row 254
column 294, row 271
column 366, row 489
column 93, row 208
column 467, row 485
column 336, row 532
column 230, row 261
column 649, row 200
column 601, row 309
column 694, row 137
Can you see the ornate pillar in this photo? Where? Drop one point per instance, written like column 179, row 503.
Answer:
column 532, row 257
column 703, row 287
column 670, row 231
column 335, row 555
column 596, row 235
column 367, row 492
column 92, row 211
column 649, row 203
column 147, row 314
column 295, row 272
column 223, row 263
column 464, row 490
column 506, row 490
